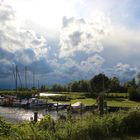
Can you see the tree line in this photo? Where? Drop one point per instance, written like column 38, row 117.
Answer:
column 97, row 83
column 100, row 83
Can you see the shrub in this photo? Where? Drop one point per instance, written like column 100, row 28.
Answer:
column 111, row 124
column 85, row 128
column 5, row 127
column 134, row 95
column 60, row 98
column 46, row 123
column 131, row 123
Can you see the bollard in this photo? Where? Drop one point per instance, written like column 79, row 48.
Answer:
column 57, row 107
column 101, row 105
column 81, row 107
column 35, row 116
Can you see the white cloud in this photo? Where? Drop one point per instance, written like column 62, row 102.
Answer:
column 125, row 70
column 5, row 68
column 124, row 39
column 122, row 67
column 45, row 13
column 122, row 71
column 92, row 63
column 18, row 41
column 83, row 35
column 83, row 69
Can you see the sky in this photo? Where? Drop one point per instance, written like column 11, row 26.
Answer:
column 66, row 40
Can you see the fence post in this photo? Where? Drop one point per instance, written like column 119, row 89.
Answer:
column 81, row 107
column 101, row 104
column 57, row 107
column 35, row 116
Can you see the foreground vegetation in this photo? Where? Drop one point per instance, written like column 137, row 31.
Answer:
column 116, row 126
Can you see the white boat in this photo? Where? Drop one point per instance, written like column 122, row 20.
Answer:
column 24, row 103
column 16, row 103
column 78, row 105
column 58, row 105
column 36, row 103
column 1, row 100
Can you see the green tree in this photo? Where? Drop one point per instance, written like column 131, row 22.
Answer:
column 84, row 86
column 99, row 83
column 138, row 78
column 75, row 86
column 33, row 88
column 130, row 83
column 134, row 94
column 114, row 84
column 57, row 88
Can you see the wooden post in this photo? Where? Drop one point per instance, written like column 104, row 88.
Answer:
column 69, row 109
column 57, row 107
column 81, row 107
column 35, row 116
column 101, row 104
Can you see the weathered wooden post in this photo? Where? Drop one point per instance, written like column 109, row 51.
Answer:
column 57, row 107
column 69, row 110
column 35, row 116
column 105, row 106
column 101, row 104
column 81, row 107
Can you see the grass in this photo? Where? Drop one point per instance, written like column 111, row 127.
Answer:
column 118, row 102
column 7, row 91
column 119, row 94
column 121, row 102
column 126, row 138
column 87, row 101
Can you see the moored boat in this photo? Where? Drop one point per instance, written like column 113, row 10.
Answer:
column 36, row 103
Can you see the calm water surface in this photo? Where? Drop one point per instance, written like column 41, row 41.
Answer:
column 20, row 114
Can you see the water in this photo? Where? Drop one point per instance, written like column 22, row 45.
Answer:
column 19, row 114
column 15, row 114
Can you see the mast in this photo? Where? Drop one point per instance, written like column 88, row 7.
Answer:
column 25, row 77
column 16, row 76
column 33, row 78
column 19, row 79
column 38, row 84
column 103, row 84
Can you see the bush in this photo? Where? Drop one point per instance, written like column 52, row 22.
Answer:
column 131, row 123
column 46, row 123
column 85, row 128
column 116, row 95
column 5, row 127
column 60, row 98
column 134, row 94
column 112, row 125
